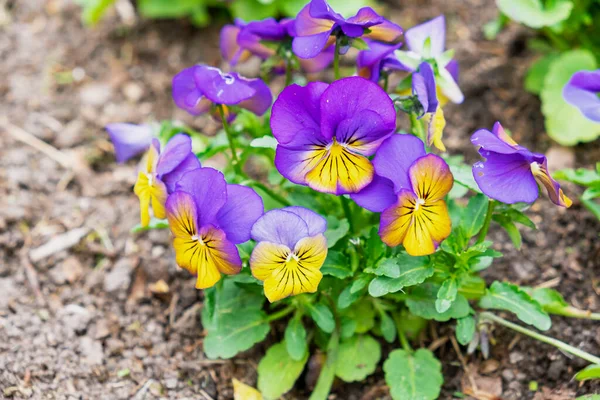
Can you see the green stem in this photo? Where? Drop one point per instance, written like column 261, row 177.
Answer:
column 401, row 334
column 336, row 60
column 283, row 201
column 386, row 82
column 576, row 313
column 281, row 313
column 486, row 224
column 542, row 338
column 347, row 212
column 234, row 158
column 327, row 374
column 416, row 128
column 288, row 72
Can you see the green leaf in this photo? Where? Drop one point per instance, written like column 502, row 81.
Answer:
column 336, row 264
column 265, row 142
column 347, row 327
column 533, row 13
column 346, row 297
column 492, row 28
column 421, row 302
column 396, row 273
column 364, row 315
column 252, row 10
column 277, row 371
column 589, row 372
column 446, row 295
column 534, row 80
column 295, row 339
column 564, row 122
column 375, row 248
column 388, row 328
column 413, row 376
column 580, row 176
column 509, row 297
column 322, row 316
column 510, row 228
column 336, row 229
column 291, row 8
column 463, row 175
column 383, row 285
column 94, row 10
column 589, row 397
column 155, row 223
column 465, row 329
column 551, row 301
column 166, row 8
column 357, row 358
column 472, row 286
column 474, row 216
column 592, row 206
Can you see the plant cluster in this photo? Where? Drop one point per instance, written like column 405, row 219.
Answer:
column 365, row 230
column 569, row 43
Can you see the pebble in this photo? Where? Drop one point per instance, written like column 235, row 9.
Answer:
column 515, row 357
column 91, row 350
column 508, row 375
column 75, row 318
column 95, row 94
column 120, row 276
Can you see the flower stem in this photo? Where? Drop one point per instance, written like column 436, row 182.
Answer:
column 270, row 192
column 327, row 374
column 416, row 128
column 577, row 313
column 281, row 313
column 234, row 158
column 288, row 72
column 347, row 212
column 401, row 334
column 542, row 338
column 486, row 224
column 386, row 79
column 336, row 60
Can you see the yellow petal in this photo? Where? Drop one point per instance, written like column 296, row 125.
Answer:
column 435, row 129
column 241, row 391
column 151, row 159
column 159, row 197
column 266, row 258
column 556, row 194
column 182, row 215
column 431, row 178
column 312, row 252
column 429, row 226
column 396, row 219
column 143, row 192
column 340, row 169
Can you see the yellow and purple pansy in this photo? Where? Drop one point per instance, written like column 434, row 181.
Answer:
column 208, row 217
column 290, row 252
column 317, row 26
column 159, row 173
column 378, row 58
column 409, row 191
column 510, row 171
column 326, row 132
column 424, row 87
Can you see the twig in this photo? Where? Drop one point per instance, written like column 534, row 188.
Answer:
column 463, row 362
column 25, row 137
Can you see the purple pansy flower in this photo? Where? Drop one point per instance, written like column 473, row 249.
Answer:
column 129, row 140
column 197, row 88
column 326, row 132
column 509, row 171
column 583, row 92
column 427, row 41
column 208, row 218
column 379, row 57
column 423, row 86
column 160, row 173
column 317, row 24
column 290, row 252
column 409, row 191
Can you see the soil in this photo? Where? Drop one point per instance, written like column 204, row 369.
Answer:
column 83, row 317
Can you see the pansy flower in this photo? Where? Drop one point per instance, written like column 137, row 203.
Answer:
column 317, row 26
column 379, row 57
column 424, row 88
column 510, row 171
column 129, row 140
column 198, row 88
column 427, row 41
column 160, row 172
column 409, row 192
column 208, row 218
column 583, row 92
column 290, row 252
column 240, row 41
column 326, row 132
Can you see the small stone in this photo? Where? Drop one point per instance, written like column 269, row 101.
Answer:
column 508, row 375
column 91, row 350
column 140, row 352
column 120, row 276
column 75, row 317
column 556, row 368
column 114, row 346
column 515, row 357
column 171, row 383
column 95, row 94
column 68, row 271
column 489, row 366
column 133, row 91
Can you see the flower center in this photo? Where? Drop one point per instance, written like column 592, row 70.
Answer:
column 229, row 79
column 419, row 203
column 150, row 179
column 198, row 239
column 292, row 256
column 535, row 168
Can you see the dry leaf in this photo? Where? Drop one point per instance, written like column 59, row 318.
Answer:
column 241, row 391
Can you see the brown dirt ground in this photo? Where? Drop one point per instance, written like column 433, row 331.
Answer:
column 82, row 323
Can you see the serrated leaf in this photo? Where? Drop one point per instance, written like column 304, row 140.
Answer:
column 322, row 316
column 295, row 339
column 413, row 376
column 564, row 122
column 421, row 302
column 534, row 80
column 357, row 358
column 382, row 285
column 446, row 295
column 474, row 215
column 589, row 372
column 465, row 329
column 277, row 371
column 388, row 327
column 241, row 391
column 399, row 272
column 510, row 228
column 336, row 229
column 509, row 297
column 346, row 297
column 265, row 142
column 336, row 264
column 534, row 13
